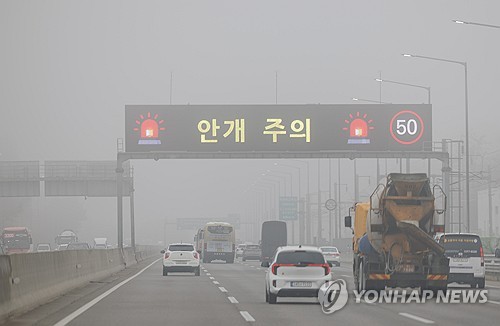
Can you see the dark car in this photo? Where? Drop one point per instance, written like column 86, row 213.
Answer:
column 497, row 252
column 78, row 246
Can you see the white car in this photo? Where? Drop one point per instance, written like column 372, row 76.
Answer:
column 296, row 271
column 239, row 250
column 332, row 255
column 181, row 257
column 43, row 247
column 466, row 255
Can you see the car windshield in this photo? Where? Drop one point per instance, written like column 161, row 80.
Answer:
column 300, row 257
column 252, row 247
column 329, row 249
column 181, row 248
column 462, row 245
column 220, row 229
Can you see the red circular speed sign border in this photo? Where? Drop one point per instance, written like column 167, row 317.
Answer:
column 407, row 142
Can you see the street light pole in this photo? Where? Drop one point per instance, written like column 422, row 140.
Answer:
column 301, row 217
column 407, row 84
column 370, row 101
column 467, row 170
column 477, row 24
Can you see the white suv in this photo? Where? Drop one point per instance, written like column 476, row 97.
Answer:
column 181, row 257
column 466, row 255
column 296, row 271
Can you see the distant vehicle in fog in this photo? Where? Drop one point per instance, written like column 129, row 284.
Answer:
column 218, row 242
column 61, row 247
column 78, row 246
column 251, row 251
column 497, row 252
column 43, row 247
column 2, row 252
column 181, row 257
column 66, row 237
column 273, row 235
column 101, row 243
column 239, row 250
column 17, row 240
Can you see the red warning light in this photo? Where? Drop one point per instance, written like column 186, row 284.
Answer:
column 149, row 129
column 359, row 127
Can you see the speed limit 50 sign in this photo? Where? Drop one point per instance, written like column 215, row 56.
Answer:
column 407, row 127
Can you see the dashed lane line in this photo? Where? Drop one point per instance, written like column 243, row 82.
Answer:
column 417, row 318
column 222, row 289
column 233, row 300
column 211, row 277
column 247, row 316
column 215, row 282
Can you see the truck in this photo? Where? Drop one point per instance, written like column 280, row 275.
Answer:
column 16, row 239
column 65, row 238
column 273, row 236
column 393, row 243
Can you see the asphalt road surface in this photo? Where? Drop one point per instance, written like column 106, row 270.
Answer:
column 233, row 294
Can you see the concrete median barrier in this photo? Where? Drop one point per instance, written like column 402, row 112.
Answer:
column 29, row 280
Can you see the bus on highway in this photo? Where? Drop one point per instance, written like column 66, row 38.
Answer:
column 218, row 242
column 273, row 235
column 17, row 240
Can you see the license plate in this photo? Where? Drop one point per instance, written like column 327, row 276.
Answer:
column 460, row 260
column 301, row 284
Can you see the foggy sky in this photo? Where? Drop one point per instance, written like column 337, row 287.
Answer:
column 68, row 68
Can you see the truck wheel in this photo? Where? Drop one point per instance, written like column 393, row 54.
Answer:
column 361, row 277
column 165, row 271
column 197, row 271
column 267, row 296
column 480, row 283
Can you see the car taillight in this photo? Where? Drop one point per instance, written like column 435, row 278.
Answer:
column 327, row 268
column 274, row 268
column 167, row 254
column 195, row 255
column 481, row 253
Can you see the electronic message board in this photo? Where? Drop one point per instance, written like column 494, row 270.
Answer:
column 281, row 128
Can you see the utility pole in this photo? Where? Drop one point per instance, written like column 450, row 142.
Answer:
column 490, row 206
column 320, row 227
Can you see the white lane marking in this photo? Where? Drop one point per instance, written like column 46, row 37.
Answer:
column 247, row 316
column 417, row 318
column 208, row 274
column 492, row 286
column 494, row 302
column 211, row 277
column 345, row 275
column 90, row 304
column 215, row 282
column 222, row 289
column 259, row 269
column 233, row 299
